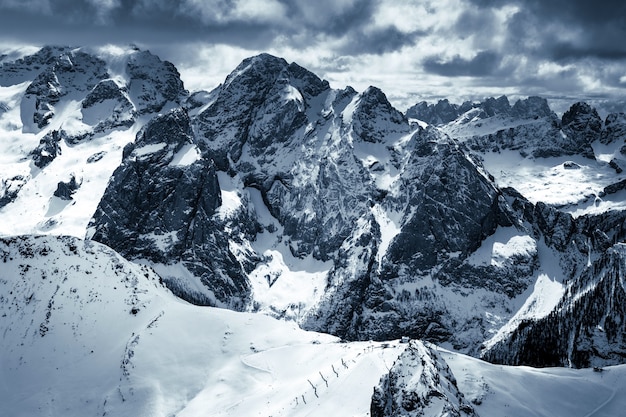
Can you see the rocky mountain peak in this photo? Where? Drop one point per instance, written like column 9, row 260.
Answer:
column 261, row 69
column 493, row 106
column 153, row 83
column 614, row 129
column 263, row 102
column 580, row 113
column 582, row 124
column 441, row 112
column 68, row 74
column 444, row 112
column 375, row 119
column 419, row 383
column 532, row 108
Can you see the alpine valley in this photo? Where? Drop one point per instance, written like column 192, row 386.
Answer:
column 278, row 247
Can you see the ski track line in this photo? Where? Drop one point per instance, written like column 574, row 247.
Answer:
column 604, row 404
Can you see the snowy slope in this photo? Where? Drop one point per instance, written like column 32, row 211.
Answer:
column 496, row 390
column 76, row 312
column 68, row 113
column 566, row 162
column 86, row 333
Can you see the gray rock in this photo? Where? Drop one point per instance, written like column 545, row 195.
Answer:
column 582, row 123
column 47, row 150
column 419, row 383
column 65, row 189
column 614, row 129
column 153, row 209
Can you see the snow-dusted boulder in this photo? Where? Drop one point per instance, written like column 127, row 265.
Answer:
column 48, row 149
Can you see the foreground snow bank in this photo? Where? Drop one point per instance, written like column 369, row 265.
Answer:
column 86, row 333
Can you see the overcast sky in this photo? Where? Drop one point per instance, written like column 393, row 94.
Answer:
column 565, row 50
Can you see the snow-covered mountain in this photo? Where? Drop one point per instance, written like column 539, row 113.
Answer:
column 67, row 114
column 280, row 194
column 574, row 165
column 483, row 227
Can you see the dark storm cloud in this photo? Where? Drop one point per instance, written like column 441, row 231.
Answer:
column 325, row 17
column 483, row 64
column 245, row 24
column 472, row 22
column 148, row 21
column 594, row 29
column 378, row 41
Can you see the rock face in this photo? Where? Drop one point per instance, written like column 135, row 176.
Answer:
column 65, row 189
column 614, row 128
column 419, row 384
column 458, row 208
column 585, row 329
column 160, row 205
column 47, row 150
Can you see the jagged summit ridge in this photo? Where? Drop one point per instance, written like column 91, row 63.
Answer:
column 308, row 172
column 444, row 112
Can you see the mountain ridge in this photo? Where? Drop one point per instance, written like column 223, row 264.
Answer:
column 275, row 177
column 492, row 229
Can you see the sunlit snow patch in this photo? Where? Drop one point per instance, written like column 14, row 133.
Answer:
column 148, row 149
column 186, row 156
column 283, row 285
column 231, row 200
column 286, row 286
column 389, row 229
column 545, row 296
column 501, row 246
column 570, row 182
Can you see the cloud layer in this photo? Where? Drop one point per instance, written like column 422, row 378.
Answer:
column 422, row 49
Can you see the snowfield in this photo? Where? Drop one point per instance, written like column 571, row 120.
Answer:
column 86, row 333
